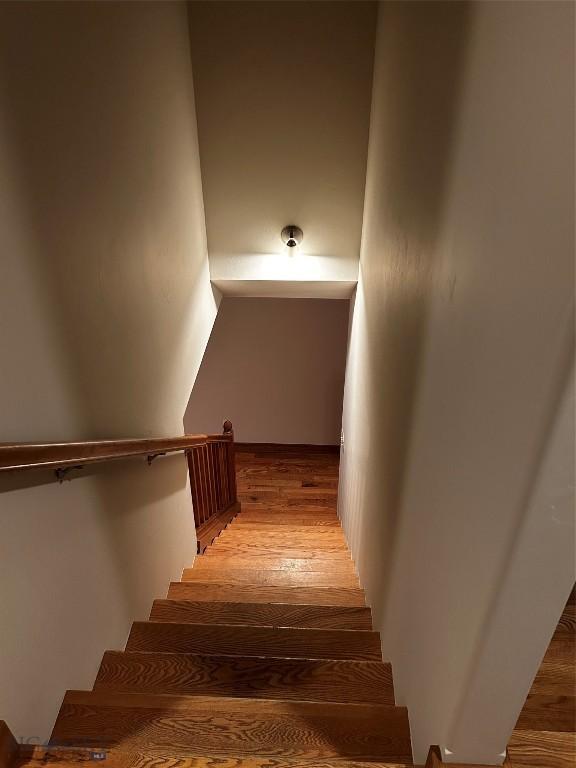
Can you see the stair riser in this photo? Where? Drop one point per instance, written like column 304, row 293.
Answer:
column 254, row 641
column 207, row 591
column 260, row 614
column 331, row 681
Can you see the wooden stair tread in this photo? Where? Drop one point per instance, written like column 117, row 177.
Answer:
column 194, row 725
column 324, row 543
column 294, row 492
column 275, row 550
column 327, row 510
column 261, row 522
column 334, row 541
column 272, row 577
column 294, row 530
column 291, row 505
column 68, row 757
column 286, row 642
column 315, row 560
column 288, row 514
column 266, row 563
column 542, row 749
column 283, row 480
column 263, row 656
column 246, row 593
column 544, row 712
column 263, row 614
column 261, row 519
column 562, row 648
column 307, row 468
column 567, row 623
column 366, row 682
column 319, row 538
column 555, row 678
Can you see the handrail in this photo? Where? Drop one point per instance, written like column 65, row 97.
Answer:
column 210, row 463
column 22, row 456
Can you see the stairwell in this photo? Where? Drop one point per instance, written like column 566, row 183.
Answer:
column 262, row 655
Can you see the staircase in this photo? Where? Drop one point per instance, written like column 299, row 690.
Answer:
column 262, row 655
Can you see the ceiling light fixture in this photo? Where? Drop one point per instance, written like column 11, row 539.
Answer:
column 291, row 235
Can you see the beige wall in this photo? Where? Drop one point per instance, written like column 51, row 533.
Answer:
column 105, row 310
column 283, row 92
column 457, row 480
column 275, row 367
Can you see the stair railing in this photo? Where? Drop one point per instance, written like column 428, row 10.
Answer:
column 211, row 464
column 213, row 483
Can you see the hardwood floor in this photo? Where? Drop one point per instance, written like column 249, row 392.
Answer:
column 545, row 734
column 262, row 656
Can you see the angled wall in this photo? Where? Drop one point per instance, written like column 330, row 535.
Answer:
column 105, row 310
column 275, row 367
column 456, row 485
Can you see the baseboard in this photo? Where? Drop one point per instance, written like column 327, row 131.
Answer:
column 286, row 448
column 212, row 528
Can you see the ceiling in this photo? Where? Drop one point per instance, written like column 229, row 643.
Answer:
column 283, row 95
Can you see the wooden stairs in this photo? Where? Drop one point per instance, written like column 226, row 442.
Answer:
column 262, row 656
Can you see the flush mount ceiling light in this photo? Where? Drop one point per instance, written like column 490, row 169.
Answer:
column 292, row 235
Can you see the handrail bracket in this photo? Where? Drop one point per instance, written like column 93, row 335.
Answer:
column 151, row 456
column 63, row 472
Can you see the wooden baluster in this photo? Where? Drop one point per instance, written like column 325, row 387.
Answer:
column 201, row 484
column 224, row 502
column 225, row 477
column 231, row 462
column 197, row 485
column 205, row 481
column 212, row 479
column 194, row 484
column 218, row 477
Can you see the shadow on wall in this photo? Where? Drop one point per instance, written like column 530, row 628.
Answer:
column 414, row 112
column 105, row 311
column 111, row 201
column 81, row 561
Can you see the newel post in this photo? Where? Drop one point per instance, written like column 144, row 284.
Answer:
column 228, row 431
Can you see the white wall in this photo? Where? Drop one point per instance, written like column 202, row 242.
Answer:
column 275, row 367
column 105, row 310
column 455, row 495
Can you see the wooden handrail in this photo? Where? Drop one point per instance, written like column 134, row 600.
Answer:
column 21, row 456
column 210, row 463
